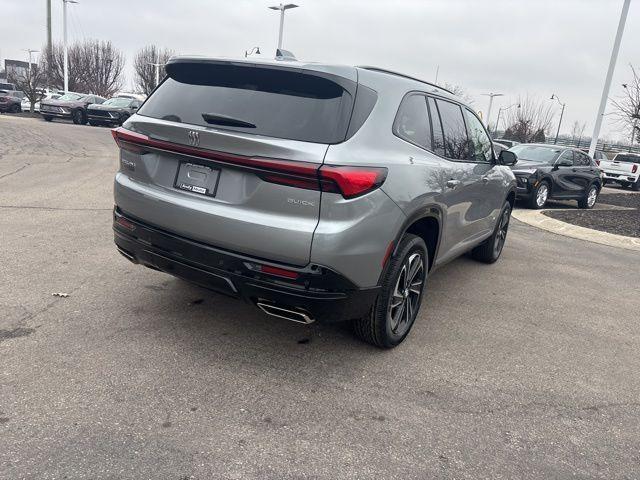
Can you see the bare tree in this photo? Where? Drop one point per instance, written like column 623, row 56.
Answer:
column 144, row 68
column 530, row 122
column 459, row 91
column 94, row 67
column 627, row 107
column 101, row 67
column 577, row 131
column 31, row 82
column 55, row 68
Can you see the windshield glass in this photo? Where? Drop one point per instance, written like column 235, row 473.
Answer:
column 536, row 153
column 118, row 102
column 627, row 158
column 69, row 97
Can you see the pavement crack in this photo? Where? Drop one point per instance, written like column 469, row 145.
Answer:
column 15, row 171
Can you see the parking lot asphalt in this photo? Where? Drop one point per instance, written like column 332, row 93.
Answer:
column 523, row 369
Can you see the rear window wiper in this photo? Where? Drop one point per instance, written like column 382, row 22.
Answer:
column 217, row 119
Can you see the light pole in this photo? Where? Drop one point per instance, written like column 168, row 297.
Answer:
column 607, row 81
column 255, row 50
column 500, row 110
column 555, row 97
column 64, row 37
column 30, row 51
column 491, row 95
column 282, row 9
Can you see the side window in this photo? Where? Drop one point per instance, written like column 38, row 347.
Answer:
column 100, row 100
column 436, row 124
column 567, row 155
column 412, row 121
column 456, row 142
column 482, row 151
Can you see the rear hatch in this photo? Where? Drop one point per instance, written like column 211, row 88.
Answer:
column 218, row 151
column 622, row 163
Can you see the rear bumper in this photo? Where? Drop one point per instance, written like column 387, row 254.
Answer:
column 318, row 292
column 621, row 177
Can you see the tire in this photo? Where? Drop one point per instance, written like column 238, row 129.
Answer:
column 78, row 117
column 590, row 197
column 394, row 312
column 636, row 186
column 47, row 118
column 489, row 251
column 94, row 124
column 14, row 109
column 538, row 197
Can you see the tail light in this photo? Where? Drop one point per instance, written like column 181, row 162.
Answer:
column 598, row 162
column 634, row 169
column 351, row 181
column 348, row 181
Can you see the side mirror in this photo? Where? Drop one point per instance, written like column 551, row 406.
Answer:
column 564, row 162
column 507, row 158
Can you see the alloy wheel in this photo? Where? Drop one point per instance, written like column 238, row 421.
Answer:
column 542, row 195
column 501, row 234
column 592, row 196
column 404, row 301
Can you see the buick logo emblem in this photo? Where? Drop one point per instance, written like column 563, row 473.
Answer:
column 194, row 138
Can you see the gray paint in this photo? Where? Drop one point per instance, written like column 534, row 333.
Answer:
column 253, row 217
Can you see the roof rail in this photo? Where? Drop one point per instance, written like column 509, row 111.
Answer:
column 391, row 72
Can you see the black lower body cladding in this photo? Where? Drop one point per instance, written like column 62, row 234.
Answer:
column 318, row 292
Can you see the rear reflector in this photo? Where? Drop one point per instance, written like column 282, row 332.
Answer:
column 348, row 181
column 280, row 272
column 125, row 223
column 634, row 169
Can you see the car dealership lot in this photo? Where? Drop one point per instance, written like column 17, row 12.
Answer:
column 522, row 369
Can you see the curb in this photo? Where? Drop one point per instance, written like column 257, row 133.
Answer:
column 535, row 218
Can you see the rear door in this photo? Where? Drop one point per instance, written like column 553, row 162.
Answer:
column 467, row 211
column 216, row 126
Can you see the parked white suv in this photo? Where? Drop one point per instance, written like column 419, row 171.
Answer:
column 624, row 168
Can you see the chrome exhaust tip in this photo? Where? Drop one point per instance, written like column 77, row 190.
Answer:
column 286, row 313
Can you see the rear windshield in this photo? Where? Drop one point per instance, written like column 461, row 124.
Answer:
column 534, row 153
column 263, row 101
column 621, row 157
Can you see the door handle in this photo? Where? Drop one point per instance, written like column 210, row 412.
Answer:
column 453, row 183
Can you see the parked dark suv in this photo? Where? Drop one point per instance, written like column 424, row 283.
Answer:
column 552, row 171
column 10, row 102
column 112, row 112
column 312, row 191
column 69, row 106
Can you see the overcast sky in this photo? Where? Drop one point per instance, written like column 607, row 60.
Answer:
column 515, row 47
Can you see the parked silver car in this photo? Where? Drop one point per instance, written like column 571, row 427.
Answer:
column 312, row 191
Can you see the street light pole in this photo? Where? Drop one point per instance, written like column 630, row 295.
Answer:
column 607, row 81
column 64, row 37
column 30, row 51
column 491, row 95
column 500, row 110
column 282, row 9
column 555, row 97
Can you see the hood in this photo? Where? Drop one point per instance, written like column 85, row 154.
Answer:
column 528, row 166
column 63, row 103
column 108, row 108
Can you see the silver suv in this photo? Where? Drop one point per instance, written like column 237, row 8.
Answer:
column 312, row 191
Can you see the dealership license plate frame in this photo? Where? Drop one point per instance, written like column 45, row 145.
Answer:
column 197, row 178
